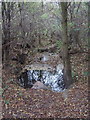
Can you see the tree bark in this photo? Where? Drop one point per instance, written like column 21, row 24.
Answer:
column 6, row 17
column 89, row 43
column 66, row 57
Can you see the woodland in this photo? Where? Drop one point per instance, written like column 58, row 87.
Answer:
column 45, row 60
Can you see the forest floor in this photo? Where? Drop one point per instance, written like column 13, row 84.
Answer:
column 30, row 103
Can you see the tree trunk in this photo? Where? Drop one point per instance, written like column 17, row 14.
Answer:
column 66, row 57
column 88, row 42
column 6, row 17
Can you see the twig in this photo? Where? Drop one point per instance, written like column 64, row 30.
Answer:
column 78, row 7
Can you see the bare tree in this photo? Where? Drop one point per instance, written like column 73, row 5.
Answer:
column 66, row 56
column 88, row 40
column 6, row 24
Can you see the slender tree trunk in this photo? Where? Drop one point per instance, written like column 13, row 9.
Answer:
column 89, row 43
column 6, row 17
column 66, row 57
column 20, row 6
column 3, row 28
column 8, row 30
